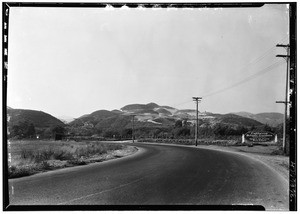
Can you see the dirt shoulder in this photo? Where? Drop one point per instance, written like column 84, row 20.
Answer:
column 264, row 154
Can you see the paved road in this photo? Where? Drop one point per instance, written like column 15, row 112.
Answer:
column 158, row 175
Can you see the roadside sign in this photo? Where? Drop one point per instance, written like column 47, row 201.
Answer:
column 256, row 136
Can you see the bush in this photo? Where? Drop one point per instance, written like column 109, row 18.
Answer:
column 20, row 171
column 34, row 159
column 77, row 162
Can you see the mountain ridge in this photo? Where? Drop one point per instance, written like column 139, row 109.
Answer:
column 147, row 118
column 39, row 119
column 270, row 118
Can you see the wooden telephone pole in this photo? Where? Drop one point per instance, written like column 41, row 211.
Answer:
column 197, row 100
column 133, row 128
column 286, row 102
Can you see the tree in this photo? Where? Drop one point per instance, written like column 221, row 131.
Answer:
column 58, row 132
column 30, row 132
column 268, row 128
column 111, row 134
column 15, row 131
column 252, row 128
column 241, row 130
column 182, row 132
column 126, row 133
column 22, row 130
column 219, row 130
column 178, row 124
column 58, row 129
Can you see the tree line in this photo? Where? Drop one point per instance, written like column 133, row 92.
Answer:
column 181, row 129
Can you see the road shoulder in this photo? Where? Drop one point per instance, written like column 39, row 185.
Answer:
column 278, row 163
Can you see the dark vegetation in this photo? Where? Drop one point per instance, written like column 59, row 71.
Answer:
column 115, row 125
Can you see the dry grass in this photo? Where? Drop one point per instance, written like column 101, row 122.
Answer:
column 30, row 157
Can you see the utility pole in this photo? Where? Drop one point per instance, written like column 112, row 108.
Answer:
column 286, row 102
column 197, row 100
column 133, row 128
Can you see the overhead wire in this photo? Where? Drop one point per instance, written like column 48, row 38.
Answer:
column 251, row 63
column 256, row 60
column 259, row 73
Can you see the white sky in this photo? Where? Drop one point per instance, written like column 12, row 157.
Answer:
column 73, row 61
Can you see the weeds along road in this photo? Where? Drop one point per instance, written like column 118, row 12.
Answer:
column 158, row 175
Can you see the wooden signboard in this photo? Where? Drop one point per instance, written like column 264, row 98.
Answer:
column 256, row 136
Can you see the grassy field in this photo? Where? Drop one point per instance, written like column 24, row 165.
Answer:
column 28, row 157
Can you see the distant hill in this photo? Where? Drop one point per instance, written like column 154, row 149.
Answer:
column 66, row 119
column 102, row 114
column 187, row 112
column 38, row 118
column 154, row 115
column 116, row 122
column 270, row 118
column 236, row 120
column 167, row 107
column 163, row 111
column 93, row 118
column 244, row 114
column 134, row 107
column 117, row 111
column 148, row 118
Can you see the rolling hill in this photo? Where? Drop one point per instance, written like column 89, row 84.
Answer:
column 270, row 118
column 94, row 118
column 39, row 119
column 147, row 117
column 135, row 107
column 154, row 115
column 65, row 119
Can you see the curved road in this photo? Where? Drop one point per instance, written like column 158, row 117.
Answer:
column 158, row 175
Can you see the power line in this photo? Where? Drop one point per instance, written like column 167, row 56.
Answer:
column 253, row 62
column 265, row 70
column 256, row 60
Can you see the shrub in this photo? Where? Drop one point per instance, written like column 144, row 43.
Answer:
column 27, row 154
column 20, row 171
column 77, row 162
column 32, row 159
